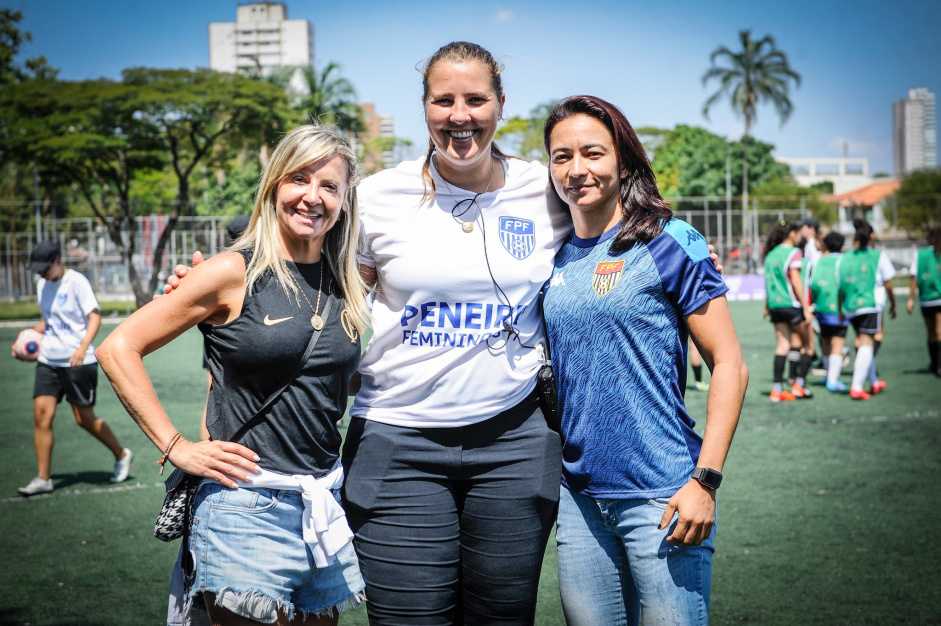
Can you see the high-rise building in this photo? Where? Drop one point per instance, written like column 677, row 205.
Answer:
column 261, row 38
column 373, row 158
column 915, row 132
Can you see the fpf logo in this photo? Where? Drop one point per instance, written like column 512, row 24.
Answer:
column 607, row 276
column 518, row 236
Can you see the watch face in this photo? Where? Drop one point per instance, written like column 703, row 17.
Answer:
column 708, row 477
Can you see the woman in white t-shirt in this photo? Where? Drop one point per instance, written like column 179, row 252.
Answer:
column 452, row 472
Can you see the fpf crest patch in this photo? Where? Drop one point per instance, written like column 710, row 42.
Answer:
column 607, row 276
column 518, row 236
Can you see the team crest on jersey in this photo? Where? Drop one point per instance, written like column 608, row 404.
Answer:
column 518, row 236
column 607, row 276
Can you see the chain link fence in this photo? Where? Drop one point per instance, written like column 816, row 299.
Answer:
column 737, row 234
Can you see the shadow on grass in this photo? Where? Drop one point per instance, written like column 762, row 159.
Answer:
column 66, row 480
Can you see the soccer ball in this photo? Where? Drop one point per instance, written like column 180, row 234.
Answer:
column 27, row 345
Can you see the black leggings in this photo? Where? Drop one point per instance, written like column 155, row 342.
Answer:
column 451, row 524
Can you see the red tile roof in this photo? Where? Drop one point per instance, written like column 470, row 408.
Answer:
column 866, row 196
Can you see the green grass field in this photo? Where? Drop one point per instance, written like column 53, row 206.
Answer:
column 825, row 516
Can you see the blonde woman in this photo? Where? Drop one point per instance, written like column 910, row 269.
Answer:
column 269, row 539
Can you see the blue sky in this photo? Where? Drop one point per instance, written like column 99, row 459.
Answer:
column 855, row 57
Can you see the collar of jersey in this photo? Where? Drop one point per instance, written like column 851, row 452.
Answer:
column 594, row 241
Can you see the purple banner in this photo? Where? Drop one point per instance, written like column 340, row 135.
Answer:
column 745, row 287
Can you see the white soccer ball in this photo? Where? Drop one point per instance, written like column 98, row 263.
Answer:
column 27, row 345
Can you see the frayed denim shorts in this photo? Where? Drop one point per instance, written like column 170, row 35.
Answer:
column 249, row 550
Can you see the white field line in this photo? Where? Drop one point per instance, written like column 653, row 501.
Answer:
column 59, row 493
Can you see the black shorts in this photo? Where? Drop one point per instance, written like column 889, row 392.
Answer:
column 78, row 384
column 867, row 323
column 930, row 312
column 792, row 315
column 827, row 331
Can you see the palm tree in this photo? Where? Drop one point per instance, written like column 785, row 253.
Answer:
column 758, row 72
column 323, row 96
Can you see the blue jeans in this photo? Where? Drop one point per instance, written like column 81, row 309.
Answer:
column 614, row 564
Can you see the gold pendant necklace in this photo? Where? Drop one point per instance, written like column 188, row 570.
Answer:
column 468, row 226
column 316, row 321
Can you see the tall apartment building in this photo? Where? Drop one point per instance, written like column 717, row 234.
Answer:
column 262, row 36
column 376, row 126
column 915, row 132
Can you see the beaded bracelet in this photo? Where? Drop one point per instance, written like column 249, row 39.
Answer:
column 166, row 454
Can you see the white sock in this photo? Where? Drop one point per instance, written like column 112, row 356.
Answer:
column 861, row 366
column 834, row 367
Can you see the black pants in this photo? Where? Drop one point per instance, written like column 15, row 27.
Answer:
column 451, row 524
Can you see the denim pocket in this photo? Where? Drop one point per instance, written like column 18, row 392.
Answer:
column 660, row 503
column 245, row 500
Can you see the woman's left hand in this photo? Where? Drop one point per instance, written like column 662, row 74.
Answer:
column 696, row 509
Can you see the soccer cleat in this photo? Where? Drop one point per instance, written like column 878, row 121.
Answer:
column 782, row 396
column 877, row 387
column 801, row 393
column 122, row 466
column 701, row 386
column 859, row 394
column 836, row 387
column 36, row 486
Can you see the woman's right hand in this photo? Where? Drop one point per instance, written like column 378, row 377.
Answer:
column 179, row 272
column 223, row 461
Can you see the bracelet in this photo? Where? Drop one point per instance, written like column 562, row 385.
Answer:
column 166, row 454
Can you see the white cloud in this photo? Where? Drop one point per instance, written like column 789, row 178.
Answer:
column 504, row 15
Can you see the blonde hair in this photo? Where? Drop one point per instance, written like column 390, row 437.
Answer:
column 299, row 149
column 458, row 52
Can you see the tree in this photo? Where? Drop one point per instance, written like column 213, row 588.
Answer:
column 919, row 201
column 101, row 136
column 525, row 134
column 758, row 73
column 11, row 38
column 690, row 161
column 325, row 96
column 191, row 113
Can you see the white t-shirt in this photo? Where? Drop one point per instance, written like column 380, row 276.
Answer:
column 428, row 363
column 65, row 305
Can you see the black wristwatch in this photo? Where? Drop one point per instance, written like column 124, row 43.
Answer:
column 709, row 478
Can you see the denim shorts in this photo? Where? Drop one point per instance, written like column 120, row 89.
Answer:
column 249, row 551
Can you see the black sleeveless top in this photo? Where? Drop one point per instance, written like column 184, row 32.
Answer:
column 254, row 354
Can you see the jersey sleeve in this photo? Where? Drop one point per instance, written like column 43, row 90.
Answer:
column 85, row 296
column 686, row 269
column 886, row 269
column 364, row 249
column 913, row 270
column 796, row 262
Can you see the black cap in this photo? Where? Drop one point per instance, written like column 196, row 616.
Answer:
column 43, row 255
column 236, row 227
column 810, row 221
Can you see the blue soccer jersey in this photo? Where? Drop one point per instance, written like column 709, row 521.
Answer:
column 618, row 337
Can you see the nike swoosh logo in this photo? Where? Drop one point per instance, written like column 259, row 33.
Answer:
column 271, row 322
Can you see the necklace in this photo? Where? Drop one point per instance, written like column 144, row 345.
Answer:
column 468, row 203
column 316, row 321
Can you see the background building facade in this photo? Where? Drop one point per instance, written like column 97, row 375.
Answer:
column 915, row 132
column 261, row 38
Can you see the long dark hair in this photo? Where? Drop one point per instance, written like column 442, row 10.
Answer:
column 644, row 212
column 458, row 52
column 934, row 239
column 863, row 232
column 778, row 233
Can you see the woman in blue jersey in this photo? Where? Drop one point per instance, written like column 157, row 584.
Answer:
column 268, row 538
column 926, row 282
column 638, row 500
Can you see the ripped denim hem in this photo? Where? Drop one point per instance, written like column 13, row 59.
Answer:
column 352, row 602
column 251, row 604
